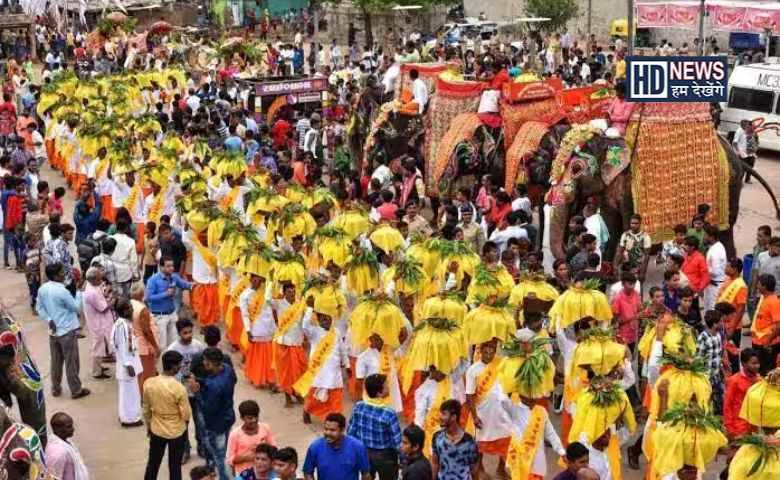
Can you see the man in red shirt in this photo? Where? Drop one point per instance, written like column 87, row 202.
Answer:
column 695, row 267
column 387, row 211
column 500, row 78
column 737, row 386
column 625, row 307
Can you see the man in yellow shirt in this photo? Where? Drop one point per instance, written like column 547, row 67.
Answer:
column 166, row 413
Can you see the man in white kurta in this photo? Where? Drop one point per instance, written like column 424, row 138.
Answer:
column 128, row 367
column 259, row 324
column 325, row 394
column 484, row 397
column 521, row 415
column 371, row 362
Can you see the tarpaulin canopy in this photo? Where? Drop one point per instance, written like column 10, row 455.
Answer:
column 724, row 15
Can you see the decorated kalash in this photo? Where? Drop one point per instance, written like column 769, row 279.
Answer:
column 276, row 265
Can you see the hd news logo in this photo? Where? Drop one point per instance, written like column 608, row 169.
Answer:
column 676, row 79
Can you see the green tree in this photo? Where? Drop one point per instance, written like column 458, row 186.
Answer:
column 368, row 8
column 558, row 11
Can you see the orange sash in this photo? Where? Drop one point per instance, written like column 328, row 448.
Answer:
column 316, row 362
column 226, row 202
column 155, row 212
column 101, row 169
column 206, row 254
column 386, row 369
column 522, row 450
column 485, row 381
column 443, row 392
column 132, row 198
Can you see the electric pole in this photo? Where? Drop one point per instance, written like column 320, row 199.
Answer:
column 702, row 13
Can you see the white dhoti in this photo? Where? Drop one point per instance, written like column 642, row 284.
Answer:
column 129, row 400
column 126, row 347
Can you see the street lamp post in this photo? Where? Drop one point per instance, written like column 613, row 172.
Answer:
column 702, row 12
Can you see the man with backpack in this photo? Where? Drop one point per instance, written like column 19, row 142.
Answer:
column 91, row 246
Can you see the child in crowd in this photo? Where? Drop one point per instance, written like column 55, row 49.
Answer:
column 55, row 201
column 151, row 246
column 285, row 463
column 245, row 439
column 32, row 257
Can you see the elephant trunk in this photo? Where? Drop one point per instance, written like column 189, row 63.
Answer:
column 747, row 168
column 559, row 220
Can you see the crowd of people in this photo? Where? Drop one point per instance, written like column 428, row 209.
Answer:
column 214, row 243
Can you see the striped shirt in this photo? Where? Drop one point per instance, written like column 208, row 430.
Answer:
column 302, row 127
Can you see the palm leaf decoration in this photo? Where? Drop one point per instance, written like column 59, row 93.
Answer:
column 438, row 324
column 692, row 415
column 518, row 348
column 288, row 213
column 409, row 271
column 361, row 257
column 257, row 191
column 287, row 257
column 537, row 364
column 768, row 449
column 597, row 334
column 485, row 277
column 605, row 392
column 454, row 248
column 681, row 362
column 589, row 284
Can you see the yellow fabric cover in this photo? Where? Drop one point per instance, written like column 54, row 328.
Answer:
column 761, row 406
column 685, row 445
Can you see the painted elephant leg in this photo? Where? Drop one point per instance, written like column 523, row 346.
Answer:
column 31, row 412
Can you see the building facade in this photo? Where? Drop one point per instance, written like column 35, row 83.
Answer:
column 602, row 14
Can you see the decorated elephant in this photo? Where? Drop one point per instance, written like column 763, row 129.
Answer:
column 669, row 162
column 21, row 450
column 22, row 444
column 20, row 377
column 390, row 134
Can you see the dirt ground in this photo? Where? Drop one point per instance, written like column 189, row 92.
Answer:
column 109, row 449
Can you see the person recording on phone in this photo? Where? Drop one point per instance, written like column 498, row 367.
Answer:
column 160, row 292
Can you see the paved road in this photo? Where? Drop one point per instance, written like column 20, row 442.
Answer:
column 109, row 448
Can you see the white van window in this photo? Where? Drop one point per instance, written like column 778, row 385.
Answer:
column 748, row 99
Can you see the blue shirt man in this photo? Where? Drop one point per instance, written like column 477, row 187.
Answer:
column 336, row 456
column 160, row 288
column 56, row 306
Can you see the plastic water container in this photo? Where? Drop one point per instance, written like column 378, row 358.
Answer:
column 747, row 266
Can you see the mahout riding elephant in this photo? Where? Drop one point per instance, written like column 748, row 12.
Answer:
column 601, row 167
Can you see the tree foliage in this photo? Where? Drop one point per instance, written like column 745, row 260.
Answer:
column 558, row 11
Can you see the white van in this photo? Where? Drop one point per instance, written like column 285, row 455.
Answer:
column 753, row 93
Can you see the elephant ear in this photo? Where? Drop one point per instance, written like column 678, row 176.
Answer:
column 617, row 157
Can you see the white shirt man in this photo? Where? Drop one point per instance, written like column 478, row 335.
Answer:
column 716, row 264
column 125, row 259
column 496, row 423
column 127, row 358
column 383, row 174
column 501, row 237
column 740, row 142
column 420, row 93
column 520, row 416
column 193, row 101
column 369, row 363
column 390, row 76
column 263, row 327
column 329, row 376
